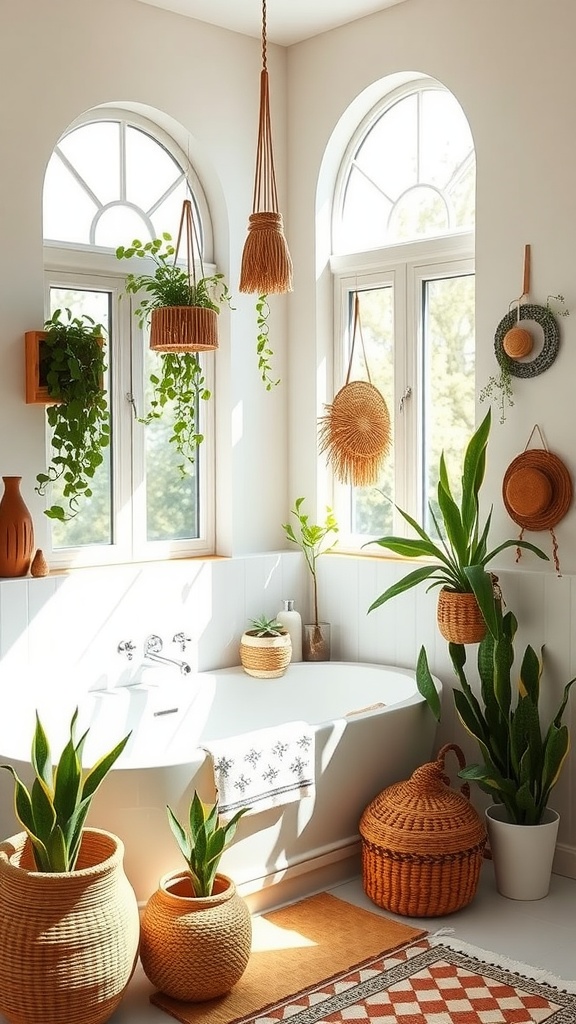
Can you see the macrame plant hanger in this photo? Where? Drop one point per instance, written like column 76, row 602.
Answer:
column 355, row 432
column 266, row 262
column 185, row 328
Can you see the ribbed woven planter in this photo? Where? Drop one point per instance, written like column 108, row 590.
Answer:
column 195, row 948
column 265, row 657
column 69, row 940
column 459, row 617
column 422, row 844
column 183, row 329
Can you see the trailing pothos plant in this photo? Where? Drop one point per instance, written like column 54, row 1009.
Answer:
column 178, row 379
column 72, row 362
column 263, row 350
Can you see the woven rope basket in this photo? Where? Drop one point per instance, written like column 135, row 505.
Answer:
column 265, row 657
column 355, row 433
column 422, row 844
column 69, row 940
column 195, row 948
column 183, row 329
column 459, row 617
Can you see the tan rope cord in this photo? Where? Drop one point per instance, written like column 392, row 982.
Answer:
column 265, row 196
column 357, row 329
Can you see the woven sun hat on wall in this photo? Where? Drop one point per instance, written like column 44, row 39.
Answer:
column 537, row 491
column 355, row 432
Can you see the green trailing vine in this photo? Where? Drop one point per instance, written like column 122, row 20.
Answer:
column 263, row 350
column 178, row 380
column 181, row 381
column 72, row 362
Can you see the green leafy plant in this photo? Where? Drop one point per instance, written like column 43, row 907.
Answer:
column 263, row 350
column 499, row 387
column 314, row 539
column 204, row 842
column 169, row 284
column 520, row 761
column 263, row 626
column 179, row 380
column 462, row 539
column 72, row 362
column 54, row 810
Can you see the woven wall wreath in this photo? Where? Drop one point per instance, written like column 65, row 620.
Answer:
column 355, row 432
column 541, row 315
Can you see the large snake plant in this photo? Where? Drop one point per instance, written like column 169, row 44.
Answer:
column 462, row 541
column 521, row 759
column 54, row 810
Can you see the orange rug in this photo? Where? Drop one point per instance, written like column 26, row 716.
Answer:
column 293, row 949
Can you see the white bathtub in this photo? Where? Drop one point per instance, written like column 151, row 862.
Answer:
column 371, row 728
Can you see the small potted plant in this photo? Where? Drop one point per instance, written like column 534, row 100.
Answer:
column 520, row 759
column 314, row 539
column 181, row 311
column 71, row 362
column 196, row 928
column 265, row 649
column 67, row 911
column 461, row 542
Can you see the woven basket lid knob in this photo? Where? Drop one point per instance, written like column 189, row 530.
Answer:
column 528, row 491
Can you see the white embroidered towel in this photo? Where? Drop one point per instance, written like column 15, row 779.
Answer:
column 264, row 768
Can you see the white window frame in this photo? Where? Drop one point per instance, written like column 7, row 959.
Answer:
column 406, row 267
column 69, row 268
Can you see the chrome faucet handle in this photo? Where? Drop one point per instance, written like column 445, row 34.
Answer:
column 153, row 644
column 181, row 639
column 127, row 647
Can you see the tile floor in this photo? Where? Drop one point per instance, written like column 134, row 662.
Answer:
column 541, row 933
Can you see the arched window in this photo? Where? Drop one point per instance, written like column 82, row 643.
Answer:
column 112, row 178
column 402, row 228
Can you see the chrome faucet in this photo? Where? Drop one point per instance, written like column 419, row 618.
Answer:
column 152, row 651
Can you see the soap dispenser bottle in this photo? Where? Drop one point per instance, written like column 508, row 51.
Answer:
column 292, row 621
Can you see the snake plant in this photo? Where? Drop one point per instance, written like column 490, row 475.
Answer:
column 521, row 759
column 54, row 810
column 204, row 843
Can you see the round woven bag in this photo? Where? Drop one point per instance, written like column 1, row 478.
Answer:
column 355, row 432
column 195, row 948
column 422, row 844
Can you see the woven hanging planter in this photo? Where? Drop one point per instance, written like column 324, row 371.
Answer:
column 355, row 432
column 266, row 261
column 185, row 328
column 459, row 617
column 422, row 844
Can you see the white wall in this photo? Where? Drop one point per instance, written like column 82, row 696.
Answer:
column 510, row 65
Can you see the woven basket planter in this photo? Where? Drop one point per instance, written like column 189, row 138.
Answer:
column 459, row 617
column 195, row 948
column 265, row 657
column 422, row 844
column 69, row 940
column 183, row 329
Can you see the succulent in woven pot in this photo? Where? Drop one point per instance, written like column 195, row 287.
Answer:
column 69, row 922
column 196, row 929
column 265, row 649
column 521, row 757
column 461, row 543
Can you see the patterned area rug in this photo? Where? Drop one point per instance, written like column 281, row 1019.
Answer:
column 429, row 982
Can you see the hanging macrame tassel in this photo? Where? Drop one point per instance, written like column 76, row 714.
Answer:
column 266, row 262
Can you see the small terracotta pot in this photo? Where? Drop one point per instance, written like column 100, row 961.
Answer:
column 16, row 530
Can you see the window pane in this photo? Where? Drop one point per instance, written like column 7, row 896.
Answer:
column 370, row 514
column 150, row 170
column 172, row 500
column 68, row 209
column 94, row 152
column 448, row 335
column 93, row 524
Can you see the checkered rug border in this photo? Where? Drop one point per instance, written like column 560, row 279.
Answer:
column 430, row 982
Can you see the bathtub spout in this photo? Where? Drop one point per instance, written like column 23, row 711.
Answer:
column 152, row 648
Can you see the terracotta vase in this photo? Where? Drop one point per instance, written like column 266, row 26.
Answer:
column 16, row 530
column 69, row 939
column 195, row 948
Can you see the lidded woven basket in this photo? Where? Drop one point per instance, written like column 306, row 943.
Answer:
column 422, row 843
